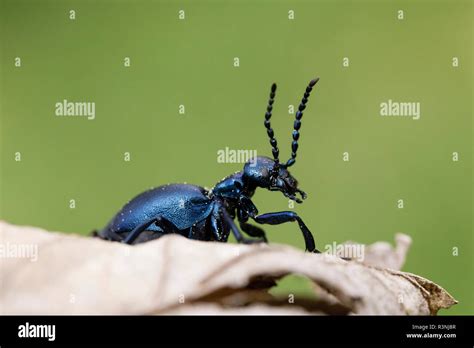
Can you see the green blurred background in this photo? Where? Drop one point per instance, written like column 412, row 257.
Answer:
column 191, row 62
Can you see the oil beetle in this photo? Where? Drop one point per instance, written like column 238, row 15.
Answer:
column 197, row 213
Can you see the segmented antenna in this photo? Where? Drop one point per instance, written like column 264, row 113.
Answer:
column 297, row 124
column 271, row 134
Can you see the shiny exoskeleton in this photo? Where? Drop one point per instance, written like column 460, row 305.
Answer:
column 209, row 215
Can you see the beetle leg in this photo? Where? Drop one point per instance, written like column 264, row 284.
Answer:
column 288, row 216
column 246, row 205
column 237, row 234
column 252, row 231
column 219, row 233
column 159, row 221
column 132, row 235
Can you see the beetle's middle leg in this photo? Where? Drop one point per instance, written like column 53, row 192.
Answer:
column 235, row 230
column 288, row 216
column 251, row 230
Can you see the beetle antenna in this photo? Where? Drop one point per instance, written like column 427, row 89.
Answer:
column 297, row 124
column 271, row 134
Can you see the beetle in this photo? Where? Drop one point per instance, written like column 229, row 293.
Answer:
column 208, row 215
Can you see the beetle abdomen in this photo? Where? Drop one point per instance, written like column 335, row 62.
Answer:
column 181, row 204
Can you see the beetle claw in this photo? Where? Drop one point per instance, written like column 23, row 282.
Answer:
column 302, row 193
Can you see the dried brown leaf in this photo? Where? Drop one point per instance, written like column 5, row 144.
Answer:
column 174, row 275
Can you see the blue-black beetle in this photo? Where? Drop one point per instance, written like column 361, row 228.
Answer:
column 196, row 213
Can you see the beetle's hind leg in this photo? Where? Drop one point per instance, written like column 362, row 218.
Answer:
column 161, row 222
column 106, row 234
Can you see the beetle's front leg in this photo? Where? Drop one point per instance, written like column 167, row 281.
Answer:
column 289, row 216
column 246, row 205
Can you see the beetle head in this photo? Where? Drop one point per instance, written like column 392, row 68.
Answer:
column 262, row 172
